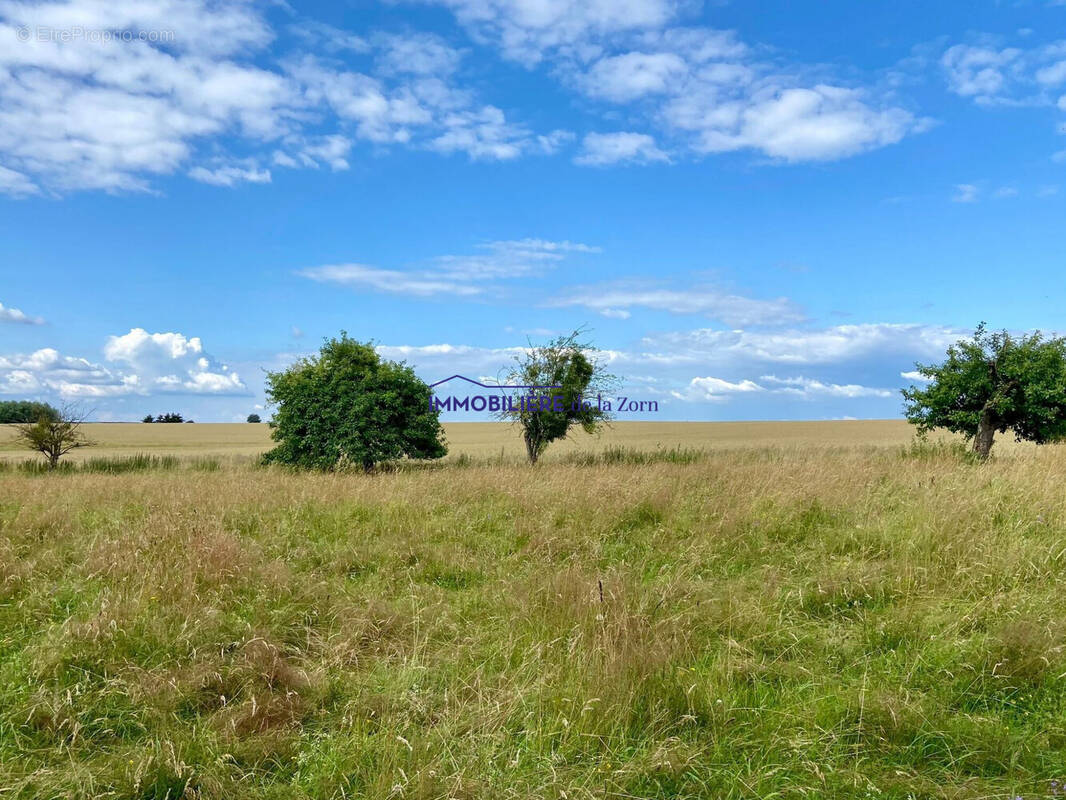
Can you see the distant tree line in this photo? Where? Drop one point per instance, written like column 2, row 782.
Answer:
column 173, row 416
column 14, row 412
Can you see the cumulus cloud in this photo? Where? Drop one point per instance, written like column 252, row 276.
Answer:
column 8, row 314
column 965, row 193
column 139, row 363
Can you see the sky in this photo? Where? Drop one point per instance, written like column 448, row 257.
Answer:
column 755, row 210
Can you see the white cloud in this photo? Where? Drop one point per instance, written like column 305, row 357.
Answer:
column 631, row 75
column 15, row 183
column 417, row 283
column 715, row 389
column 483, row 134
column 525, row 30
column 820, row 123
column 809, row 388
column 915, row 375
column 136, row 110
column 704, row 86
column 979, row 72
column 602, row 149
column 722, row 360
column 8, row 314
column 130, row 109
column 965, row 193
column 713, row 93
column 993, row 75
column 139, row 363
column 841, row 344
column 417, row 53
column 230, row 175
column 171, row 362
column 615, row 298
column 458, row 275
column 1052, row 75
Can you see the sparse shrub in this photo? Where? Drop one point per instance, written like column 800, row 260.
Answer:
column 559, row 376
column 53, row 436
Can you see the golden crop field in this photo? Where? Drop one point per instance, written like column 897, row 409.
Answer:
column 489, row 439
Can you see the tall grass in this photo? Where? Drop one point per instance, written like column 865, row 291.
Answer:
column 743, row 624
column 112, row 465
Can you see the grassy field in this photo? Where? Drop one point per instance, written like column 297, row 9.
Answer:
column 741, row 621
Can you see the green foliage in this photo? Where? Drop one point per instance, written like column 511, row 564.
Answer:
column 254, row 418
column 173, row 416
column 18, row 411
column 995, row 382
column 346, row 406
column 148, row 418
column 567, row 382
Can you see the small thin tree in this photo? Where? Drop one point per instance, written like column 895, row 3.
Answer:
column 563, row 382
column 54, row 435
column 992, row 383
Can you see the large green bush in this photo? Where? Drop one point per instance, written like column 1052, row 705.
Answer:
column 346, row 406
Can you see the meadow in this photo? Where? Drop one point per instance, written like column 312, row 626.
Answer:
column 816, row 610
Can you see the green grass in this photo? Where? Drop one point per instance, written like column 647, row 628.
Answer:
column 848, row 623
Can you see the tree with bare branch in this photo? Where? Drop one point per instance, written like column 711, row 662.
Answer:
column 54, row 435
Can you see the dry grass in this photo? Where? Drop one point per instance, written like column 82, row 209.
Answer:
column 761, row 622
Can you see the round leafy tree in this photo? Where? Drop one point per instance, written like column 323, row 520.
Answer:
column 348, row 406
column 994, row 382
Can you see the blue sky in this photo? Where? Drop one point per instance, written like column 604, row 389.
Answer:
column 759, row 211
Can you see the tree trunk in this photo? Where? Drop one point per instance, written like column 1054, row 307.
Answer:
column 531, row 449
column 986, row 429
